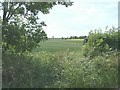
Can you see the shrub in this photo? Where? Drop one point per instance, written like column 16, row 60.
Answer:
column 26, row 71
column 60, row 70
column 99, row 42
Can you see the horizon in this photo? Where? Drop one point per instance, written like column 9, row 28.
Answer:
column 64, row 37
column 87, row 15
column 80, row 18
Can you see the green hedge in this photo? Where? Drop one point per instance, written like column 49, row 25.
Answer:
column 61, row 70
column 99, row 42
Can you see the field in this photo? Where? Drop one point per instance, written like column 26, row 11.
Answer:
column 74, row 70
column 59, row 45
column 86, row 57
column 60, row 63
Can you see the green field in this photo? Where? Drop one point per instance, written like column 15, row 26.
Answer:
column 32, row 60
column 59, row 45
column 60, row 63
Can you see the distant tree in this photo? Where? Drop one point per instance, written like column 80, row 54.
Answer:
column 82, row 37
column 70, row 37
column 75, row 37
column 52, row 36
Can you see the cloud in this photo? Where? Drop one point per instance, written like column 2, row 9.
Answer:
column 58, row 30
column 79, row 19
column 90, row 11
column 99, row 1
column 54, row 29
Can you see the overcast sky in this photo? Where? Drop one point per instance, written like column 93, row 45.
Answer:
column 79, row 19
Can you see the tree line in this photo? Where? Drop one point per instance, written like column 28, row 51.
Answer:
column 74, row 37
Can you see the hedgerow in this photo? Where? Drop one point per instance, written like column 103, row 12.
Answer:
column 61, row 70
column 99, row 42
column 66, row 69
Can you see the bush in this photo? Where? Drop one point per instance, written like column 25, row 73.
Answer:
column 60, row 70
column 81, row 72
column 99, row 42
column 26, row 71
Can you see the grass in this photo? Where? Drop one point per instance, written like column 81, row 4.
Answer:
column 60, row 64
column 76, row 70
column 59, row 45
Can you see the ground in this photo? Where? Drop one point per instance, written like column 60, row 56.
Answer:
column 59, row 45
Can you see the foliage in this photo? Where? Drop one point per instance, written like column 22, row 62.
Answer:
column 60, row 70
column 99, row 42
column 75, row 37
column 25, row 72
column 67, row 69
column 21, row 32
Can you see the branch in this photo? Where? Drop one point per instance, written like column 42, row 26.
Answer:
column 10, row 9
column 5, row 8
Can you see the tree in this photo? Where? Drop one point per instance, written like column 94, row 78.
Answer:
column 21, row 32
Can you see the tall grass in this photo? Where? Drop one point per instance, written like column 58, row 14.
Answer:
column 64, row 64
column 63, row 70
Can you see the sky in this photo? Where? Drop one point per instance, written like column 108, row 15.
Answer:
column 80, row 18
